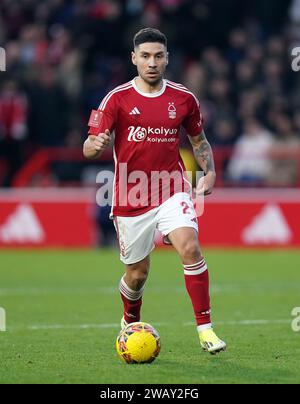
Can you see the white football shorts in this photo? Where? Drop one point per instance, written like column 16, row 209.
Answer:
column 136, row 234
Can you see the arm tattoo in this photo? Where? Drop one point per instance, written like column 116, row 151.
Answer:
column 203, row 153
column 199, row 138
column 204, row 157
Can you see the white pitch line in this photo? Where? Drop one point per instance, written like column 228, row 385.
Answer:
column 110, row 290
column 80, row 326
column 248, row 322
column 74, row 326
column 117, row 325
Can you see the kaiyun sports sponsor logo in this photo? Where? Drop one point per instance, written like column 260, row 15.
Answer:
column 139, row 134
column 161, row 140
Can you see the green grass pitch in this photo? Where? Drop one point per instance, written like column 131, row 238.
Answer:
column 63, row 312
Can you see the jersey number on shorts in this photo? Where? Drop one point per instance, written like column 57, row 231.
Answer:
column 186, row 208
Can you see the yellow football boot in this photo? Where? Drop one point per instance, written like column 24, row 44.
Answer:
column 210, row 342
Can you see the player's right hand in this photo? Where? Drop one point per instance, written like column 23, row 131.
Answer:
column 100, row 142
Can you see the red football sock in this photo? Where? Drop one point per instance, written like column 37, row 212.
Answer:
column 197, row 285
column 132, row 301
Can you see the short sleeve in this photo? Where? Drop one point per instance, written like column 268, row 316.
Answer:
column 193, row 123
column 104, row 117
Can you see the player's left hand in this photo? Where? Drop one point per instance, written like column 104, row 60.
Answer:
column 206, row 184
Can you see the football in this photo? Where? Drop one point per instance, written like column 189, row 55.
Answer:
column 138, row 343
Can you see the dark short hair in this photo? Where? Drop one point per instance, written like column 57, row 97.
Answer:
column 149, row 35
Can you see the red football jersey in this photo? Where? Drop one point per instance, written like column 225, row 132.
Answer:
column 146, row 145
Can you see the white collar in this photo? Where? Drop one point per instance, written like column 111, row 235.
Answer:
column 150, row 95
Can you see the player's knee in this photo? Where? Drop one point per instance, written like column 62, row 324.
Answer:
column 138, row 280
column 138, row 274
column 191, row 250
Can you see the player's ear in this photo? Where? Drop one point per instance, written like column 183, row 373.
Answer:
column 167, row 58
column 133, row 57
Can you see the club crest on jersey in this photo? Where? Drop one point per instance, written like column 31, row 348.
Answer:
column 172, row 110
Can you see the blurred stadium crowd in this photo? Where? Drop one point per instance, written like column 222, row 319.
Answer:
column 63, row 56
